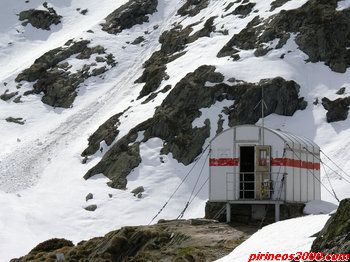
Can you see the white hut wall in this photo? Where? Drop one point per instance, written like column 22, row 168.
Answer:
column 222, row 167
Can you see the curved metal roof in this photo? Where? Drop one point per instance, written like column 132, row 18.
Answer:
column 292, row 140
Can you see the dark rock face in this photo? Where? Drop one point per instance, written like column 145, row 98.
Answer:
column 246, row 39
column 338, row 109
column 334, row 238
column 323, row 33
column 192, row 7
column 173, row 41
column 40, row 19
column 118, row 162
column 280, row 96
column 49, row 60
column 132, row 13
column 172, row 121
column 54, row 80
column 107, row 132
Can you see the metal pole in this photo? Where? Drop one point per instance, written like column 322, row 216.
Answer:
column 262, row 114
column 228, row 212
column 277, row 212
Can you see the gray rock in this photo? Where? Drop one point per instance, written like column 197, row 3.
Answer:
column 89, row 196
column 17, row 120
column 138, row 40
column 91, row 208
column 17, row 99
column 7, row 96
column 138, row 191
column 338, row 109
column 40, row 19
column 341, row 91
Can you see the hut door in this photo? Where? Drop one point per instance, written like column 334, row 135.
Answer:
column 262, row 174
column 246, row 172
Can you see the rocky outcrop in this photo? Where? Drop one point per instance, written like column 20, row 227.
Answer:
column 323, row 33
column 244, row 9
column 173, row 42
column 41, row 19
column 177, row 240
column 7, row 96
column 280, row 96
column 277, row 3
column 50, row 245
column 334, row 238
column 132, row 13
column 337, row 110
column 172, row 121
column 118, row 162
column 192, row 7
column 107, row 132
column 246, row 39
column 54, row 79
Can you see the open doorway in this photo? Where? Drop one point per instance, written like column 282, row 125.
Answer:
column 246, row 175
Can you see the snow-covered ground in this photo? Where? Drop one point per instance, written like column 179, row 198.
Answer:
column 42, row 190
column 284, row 237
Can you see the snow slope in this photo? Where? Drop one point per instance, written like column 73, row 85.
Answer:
column 284, row 237
column 42, row 192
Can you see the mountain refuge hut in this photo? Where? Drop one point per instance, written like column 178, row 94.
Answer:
column 258, row 166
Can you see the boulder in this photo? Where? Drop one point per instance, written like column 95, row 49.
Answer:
column 91, row 208
column 41, row 19
column 16, row 120
column 337, row 110
column 7, row 96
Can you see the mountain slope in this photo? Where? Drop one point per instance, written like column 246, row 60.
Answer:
column 156, row 59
